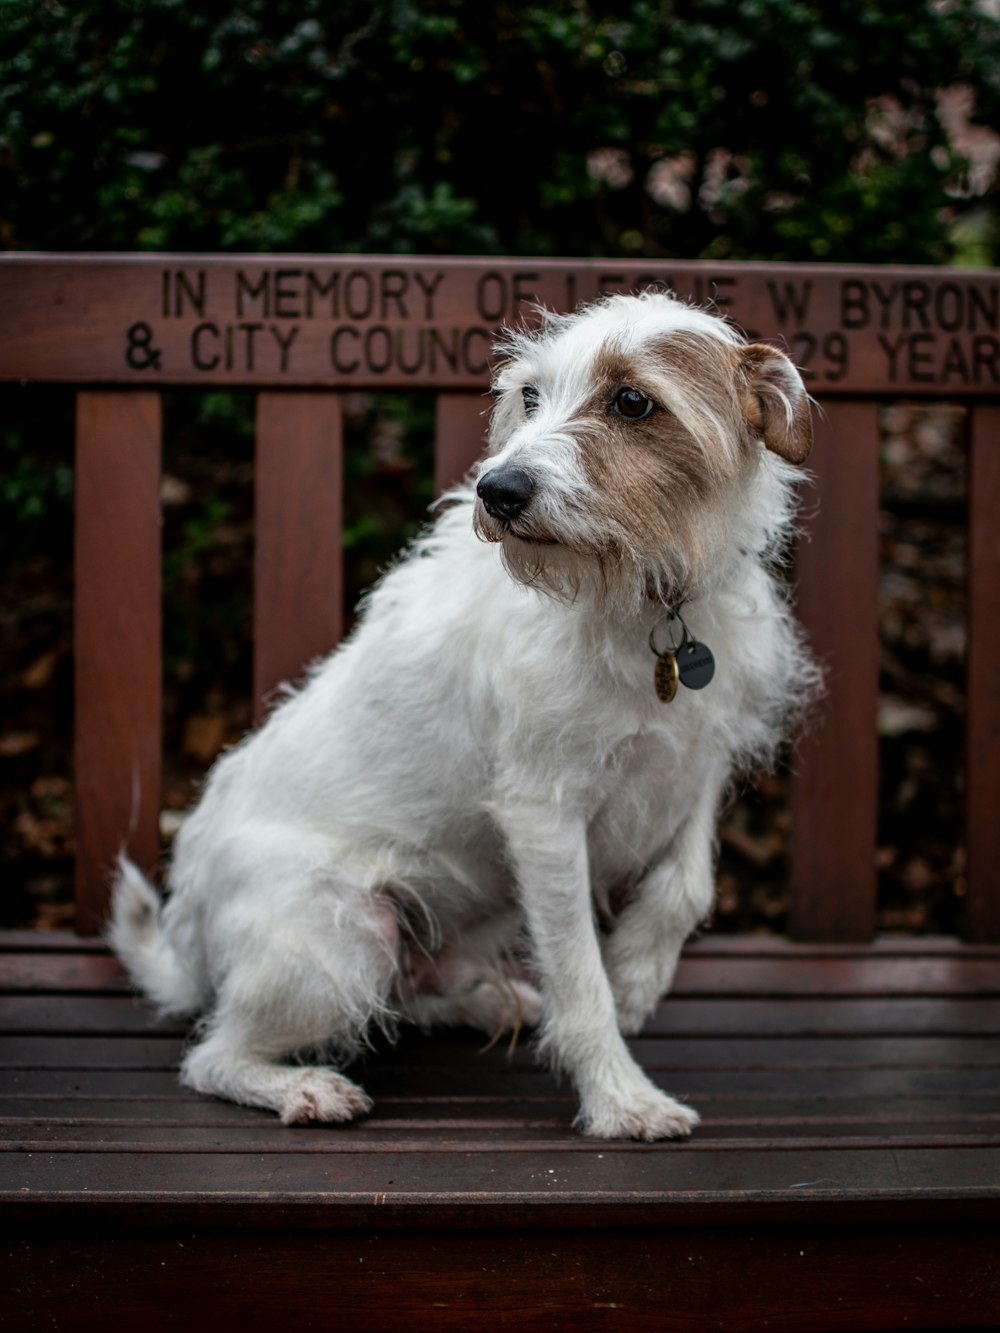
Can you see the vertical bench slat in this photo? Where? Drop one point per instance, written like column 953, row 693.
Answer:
column 117, row 640
column 835, row 793
column 459, row 437
column 982, row 918
column 298, row 556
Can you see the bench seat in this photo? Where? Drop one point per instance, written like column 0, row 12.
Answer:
column 846, row 1175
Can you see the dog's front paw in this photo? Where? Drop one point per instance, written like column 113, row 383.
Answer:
column 647, row 1114
column 324, row 1095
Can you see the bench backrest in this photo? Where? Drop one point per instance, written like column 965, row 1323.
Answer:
column 301, row 329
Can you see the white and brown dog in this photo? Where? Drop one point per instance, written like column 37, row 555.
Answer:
column 484, row 784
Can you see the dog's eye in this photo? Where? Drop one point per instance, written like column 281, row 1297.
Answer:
column 530, row 395
column 632, row 404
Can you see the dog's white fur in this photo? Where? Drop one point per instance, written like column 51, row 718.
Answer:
column 480, row 789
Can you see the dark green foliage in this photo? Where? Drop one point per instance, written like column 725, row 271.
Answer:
column 723, row 128
column 36, row 479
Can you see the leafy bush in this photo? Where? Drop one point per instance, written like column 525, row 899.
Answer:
column 722, row 128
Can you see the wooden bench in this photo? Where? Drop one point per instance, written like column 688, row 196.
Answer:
column 847, row 1175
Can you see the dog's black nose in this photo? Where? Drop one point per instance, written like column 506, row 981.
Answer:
column 505, row 491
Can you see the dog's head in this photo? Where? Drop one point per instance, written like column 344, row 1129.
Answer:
column 633, row 445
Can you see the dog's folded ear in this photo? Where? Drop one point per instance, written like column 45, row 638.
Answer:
column 777, row 404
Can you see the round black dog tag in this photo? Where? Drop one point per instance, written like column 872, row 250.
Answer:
column 695, row 665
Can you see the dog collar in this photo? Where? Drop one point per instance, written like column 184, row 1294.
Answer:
column 687, row 661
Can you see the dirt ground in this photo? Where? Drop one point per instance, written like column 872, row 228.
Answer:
column 207, row 500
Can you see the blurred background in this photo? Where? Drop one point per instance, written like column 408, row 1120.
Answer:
column 716, row 129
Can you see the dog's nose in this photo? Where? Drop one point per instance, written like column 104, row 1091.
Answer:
column 505, row 491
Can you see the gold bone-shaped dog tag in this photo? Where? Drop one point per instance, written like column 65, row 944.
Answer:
column 666, row 677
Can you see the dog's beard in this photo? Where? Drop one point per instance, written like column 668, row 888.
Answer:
column 547, row 566
column 610, row 576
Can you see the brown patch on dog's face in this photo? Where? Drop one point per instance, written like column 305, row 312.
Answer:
column 656, row 474
column 639, row 503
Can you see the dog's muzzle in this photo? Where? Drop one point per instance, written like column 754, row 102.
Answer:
column 505, row 492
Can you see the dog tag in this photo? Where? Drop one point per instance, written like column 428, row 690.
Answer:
column 695, row 665
column 665, row 677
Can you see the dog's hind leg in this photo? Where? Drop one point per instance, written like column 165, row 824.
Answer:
column 314, row 977
column 224, row 1065
column 474, row 981
column 493, row 1005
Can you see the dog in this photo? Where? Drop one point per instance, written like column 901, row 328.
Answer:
column 492, row 805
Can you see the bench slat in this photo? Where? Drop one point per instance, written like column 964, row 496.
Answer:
column 494, row 1137
column 154, row 1052
column 730, row 1092
column 117, row 636
column 459, row 436
column 983, row 666
column 681, row 1016
column 835, row 793
column 298, row 556
column 957, row 1111
column 705, row 976
column 659, row 1173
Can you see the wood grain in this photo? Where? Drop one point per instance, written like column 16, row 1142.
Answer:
column 298, row 555
column 846, row 1139
column 835, row 791
column 697, row 975
column 688, row 1281
column 156, row 1051
column 982, row 915
column 459, row 436
column 787, row 1016
column 117, row 640
column 298, row 321
column 848, row 1167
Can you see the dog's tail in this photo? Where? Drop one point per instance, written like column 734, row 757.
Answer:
column 137, row 936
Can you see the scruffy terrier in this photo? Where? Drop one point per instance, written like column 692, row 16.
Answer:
column 496, row 803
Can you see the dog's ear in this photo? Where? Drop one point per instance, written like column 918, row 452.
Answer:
column 777, row 404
